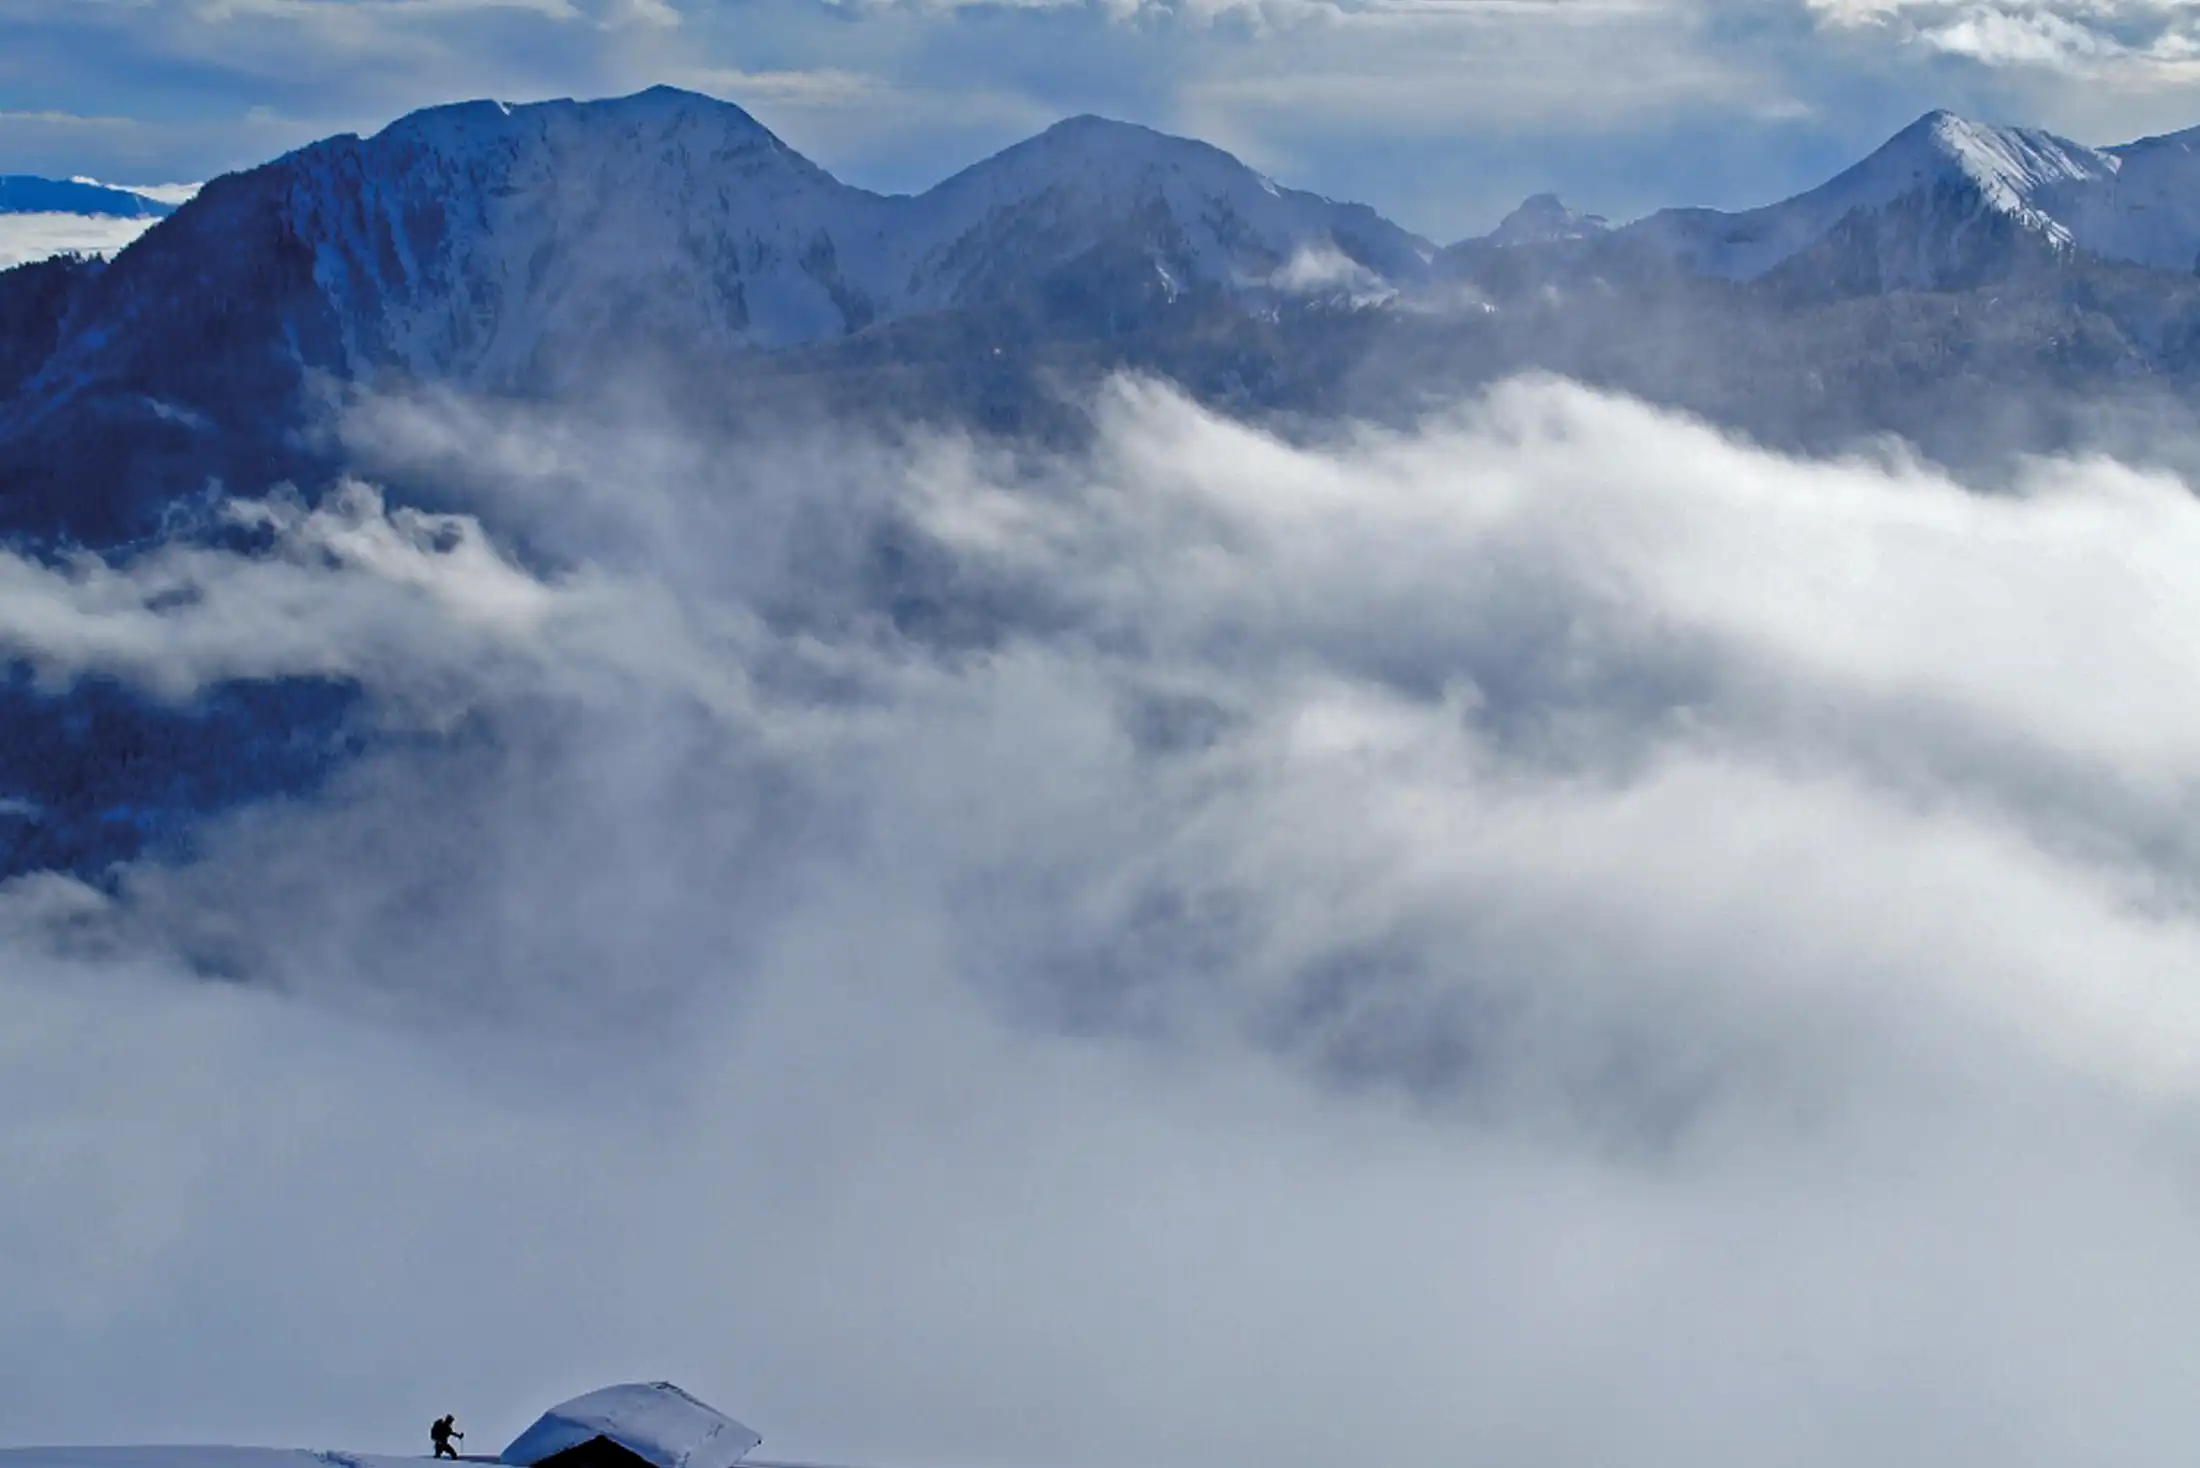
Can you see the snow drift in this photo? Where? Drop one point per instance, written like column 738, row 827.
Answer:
column 655, row 1421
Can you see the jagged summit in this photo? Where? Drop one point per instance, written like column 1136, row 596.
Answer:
column 1545, row 219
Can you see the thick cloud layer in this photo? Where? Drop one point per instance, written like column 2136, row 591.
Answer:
column 1553, row 936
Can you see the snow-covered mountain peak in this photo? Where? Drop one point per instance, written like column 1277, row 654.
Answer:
column 1106, row 153
column 1950, row 179
column 477, row 239
column 1090, row 129
column 2017, row 157
column 1192, row 212
column 496, row 244
column 2018, row 172
column 1545, row 219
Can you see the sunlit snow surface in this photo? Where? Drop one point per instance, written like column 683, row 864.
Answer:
column 28, row 237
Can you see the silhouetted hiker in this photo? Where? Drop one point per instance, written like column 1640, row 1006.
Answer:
column 442, row 1433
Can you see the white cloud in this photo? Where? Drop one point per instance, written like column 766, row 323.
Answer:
column 655, row 14
column 1555, row 931
column 2073, row 34
column 168, row 193
column 417, row 605
column 1331, row 273
column 1429, row 71
column 826, row 88
column 27, row 237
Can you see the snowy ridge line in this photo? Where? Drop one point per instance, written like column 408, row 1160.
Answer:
column 478, row 241
column 1948, row 180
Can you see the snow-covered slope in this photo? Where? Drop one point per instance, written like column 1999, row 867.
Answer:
column 1193, row 213
column 471, row 240
column 1947, row 179
column 2149, row 210
column 485, row 243
column 1945, row 192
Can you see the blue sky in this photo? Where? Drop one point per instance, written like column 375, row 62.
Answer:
column 1442, row 113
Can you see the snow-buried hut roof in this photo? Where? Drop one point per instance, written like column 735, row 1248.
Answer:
column 655, row 1421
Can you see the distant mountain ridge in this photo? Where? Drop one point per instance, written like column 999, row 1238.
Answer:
column 488, row 244
column 22, row 193
column 484, row 243
column 1936, row 189
column 523, row 248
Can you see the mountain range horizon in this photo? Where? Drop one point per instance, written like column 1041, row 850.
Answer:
column 1934, row 119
